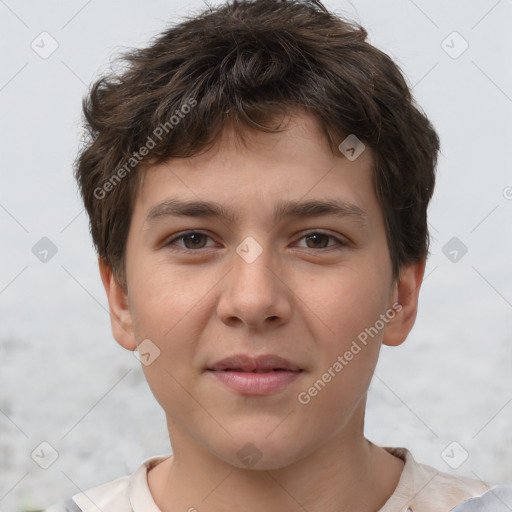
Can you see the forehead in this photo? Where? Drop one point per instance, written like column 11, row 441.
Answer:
column 256, row 168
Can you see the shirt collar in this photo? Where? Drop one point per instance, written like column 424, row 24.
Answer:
column 139, row 494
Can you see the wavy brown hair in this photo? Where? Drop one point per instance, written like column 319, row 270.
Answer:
column 252, row 62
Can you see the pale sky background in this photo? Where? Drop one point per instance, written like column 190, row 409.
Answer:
column 65, row 381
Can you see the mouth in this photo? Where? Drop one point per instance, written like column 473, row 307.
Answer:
column 260, row 364
column 254, row 371
column 261, row 375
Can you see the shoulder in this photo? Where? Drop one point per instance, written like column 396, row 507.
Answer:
column 120, row 495
column 497, row 499
column 423, row 488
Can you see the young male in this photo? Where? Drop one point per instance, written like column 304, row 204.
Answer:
column 257, row 182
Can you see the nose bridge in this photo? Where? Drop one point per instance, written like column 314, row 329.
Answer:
column 253, row 292
column 251, row 270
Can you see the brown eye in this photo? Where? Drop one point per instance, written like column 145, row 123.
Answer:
column 320, row 240
column 191, row 241
column 195, row 240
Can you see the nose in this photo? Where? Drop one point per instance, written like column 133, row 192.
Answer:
column 254, row 294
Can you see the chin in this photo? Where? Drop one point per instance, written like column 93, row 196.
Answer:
column 262, row 452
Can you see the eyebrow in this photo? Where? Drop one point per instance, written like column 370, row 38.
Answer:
column 284, row 209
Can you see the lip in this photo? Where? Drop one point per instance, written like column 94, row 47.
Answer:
column 246, row 363
column 262, row 375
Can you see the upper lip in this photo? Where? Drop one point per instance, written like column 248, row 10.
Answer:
column 248, row 363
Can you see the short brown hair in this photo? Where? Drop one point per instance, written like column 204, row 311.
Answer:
column 249, row 62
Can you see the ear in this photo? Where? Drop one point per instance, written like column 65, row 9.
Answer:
column 120, row 315
column 405, row 292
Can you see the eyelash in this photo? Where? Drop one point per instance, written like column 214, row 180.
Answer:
column 185, row 234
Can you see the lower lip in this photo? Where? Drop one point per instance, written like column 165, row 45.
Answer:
column 250, row 383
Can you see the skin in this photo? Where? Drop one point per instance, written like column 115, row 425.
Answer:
column 305, row 299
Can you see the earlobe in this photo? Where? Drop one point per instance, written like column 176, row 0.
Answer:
column 120, row 315
column 405, row 293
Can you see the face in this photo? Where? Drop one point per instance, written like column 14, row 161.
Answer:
column 253, row 315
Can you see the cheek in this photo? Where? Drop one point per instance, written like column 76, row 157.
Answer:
column 348, row 302
column 349, row 352
column 171, row 310
column 169, row 323
column 163, row 298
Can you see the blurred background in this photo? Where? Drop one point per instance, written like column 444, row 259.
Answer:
column 445, row 394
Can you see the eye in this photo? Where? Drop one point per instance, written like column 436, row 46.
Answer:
column 195, row 240
column 320, row 239
column 191, row 239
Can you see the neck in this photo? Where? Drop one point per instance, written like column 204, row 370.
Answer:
column 346, row 473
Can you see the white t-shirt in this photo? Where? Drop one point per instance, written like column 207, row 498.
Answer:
column 421, row 488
